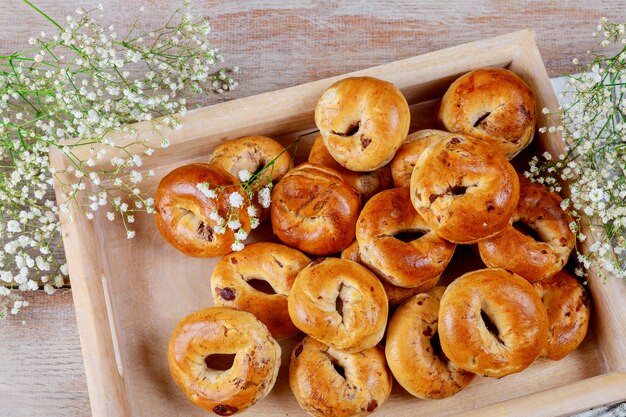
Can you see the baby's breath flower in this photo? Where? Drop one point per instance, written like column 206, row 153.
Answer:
column 264, row 197
column 237, row 246
column 234, row 224
column 75, row 91
column 244, row 175
column 594, row 132
column 235, row 200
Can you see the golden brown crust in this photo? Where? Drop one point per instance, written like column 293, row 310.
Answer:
column 396, row 295
column 405, row 159
column 366, row 183
column 492, row 104
column 314, row 210
column 253, row 153
column 520, row 324
column 220, row 330
column 464, row 189
column 404, row 264
column 412, row 352
column 315, row 296
column 364, row 121
column 540, row 210
column 323, row 392
column 568, row 307
column 276, row 264
column 182, row 210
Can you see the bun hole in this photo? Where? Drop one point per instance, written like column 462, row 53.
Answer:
column 205, row 231
column 435, row 343
column 339, row 305
column 527, row 230
column 409, row 235
column 350, row 131
column 457, row 190
column 339, row 369
column 262, row 286
column 481, row 118
column 490, row 325
column 220, row 361
column 258, row 170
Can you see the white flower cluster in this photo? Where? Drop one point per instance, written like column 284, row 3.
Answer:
column 230, row 220
column 71, row 91
column 593, row 124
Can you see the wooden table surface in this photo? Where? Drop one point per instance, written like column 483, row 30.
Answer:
column 276, row 44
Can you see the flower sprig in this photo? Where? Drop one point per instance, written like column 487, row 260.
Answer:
column 71, row 90
column 257, row 187
column 593, row 126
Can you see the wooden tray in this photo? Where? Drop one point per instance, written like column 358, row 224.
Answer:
column 129, row 294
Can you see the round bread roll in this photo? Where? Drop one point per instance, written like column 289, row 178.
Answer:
column 538, row 211
column 314, row 210
column 404, row 264
column 413, row 352
column 340, row 303
column 464, row 189
column 274, row 265
column 184, row 212
column 492, row 323
column 366, row 183
column 395, row 295
column 332, row 383
column 568, row 308
column 403, row 163
column 492, row 104
column 258, row 155
column 364, row 121
column 215, row 331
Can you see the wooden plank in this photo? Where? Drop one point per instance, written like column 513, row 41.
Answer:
column 41, row 367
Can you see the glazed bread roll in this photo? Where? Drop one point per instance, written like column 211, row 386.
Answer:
column 538, row 211
column 314, row 210
column 492, row 323
column 254, row 154
column 276, row 265
column 464, row 189
column 395, row 295
column 332, row 383
column 413, row 352
column 568, row 308
column 366, row 183
column 364, row 121
column 339, row 303
column 492, row 104
column 405, row 159
column 404, row 264
column 184, row 212
column 219, row 330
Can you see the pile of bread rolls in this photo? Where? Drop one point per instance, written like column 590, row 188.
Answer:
column 377, row 250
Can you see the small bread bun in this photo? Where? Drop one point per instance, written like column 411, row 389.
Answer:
column 413, row 352
column 314, row 210
column 332, row 383
column 539, row 210
column 364, row 121
column 403, row 163
column 183, row 211
column 253, row 154
column 219, row 330
column 492, row 104
column 568, row 308
column 396, row 295
column 277, row 265
column 340, row 303
column 366, row 183
column 492, row 323
column 404, row 264
column 464, row 189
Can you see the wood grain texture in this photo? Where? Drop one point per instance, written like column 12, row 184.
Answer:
column 276, row 44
